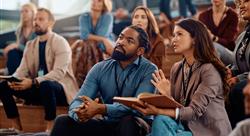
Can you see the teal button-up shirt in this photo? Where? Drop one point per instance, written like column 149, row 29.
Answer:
column 107, row 79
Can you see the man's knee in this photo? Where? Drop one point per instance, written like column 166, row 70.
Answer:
column 61, row 125
column 46, row 84
column 13, row 53
column 128, row 126
column 4, row 87
column 46, row 87
column 62, row 120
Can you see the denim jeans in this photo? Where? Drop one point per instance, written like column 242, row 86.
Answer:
column 184, row 6
column 166, row 126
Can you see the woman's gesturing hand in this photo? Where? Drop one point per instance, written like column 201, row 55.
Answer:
column 161, row 83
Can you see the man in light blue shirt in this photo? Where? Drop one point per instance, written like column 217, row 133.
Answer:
column 127, row 73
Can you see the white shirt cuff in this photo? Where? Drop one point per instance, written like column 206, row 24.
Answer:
column 177, row 112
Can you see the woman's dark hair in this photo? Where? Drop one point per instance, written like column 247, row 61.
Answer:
column 204, row 50
column 143, row 37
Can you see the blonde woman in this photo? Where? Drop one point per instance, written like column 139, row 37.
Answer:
column 24, row 33
column 97, row 24
column 96, row 40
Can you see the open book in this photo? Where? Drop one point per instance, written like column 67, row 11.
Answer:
column 160, row 101
column 10, row 78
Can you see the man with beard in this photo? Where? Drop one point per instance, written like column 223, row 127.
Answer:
column 126, row 74
column 45, row 73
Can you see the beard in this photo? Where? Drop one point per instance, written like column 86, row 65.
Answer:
column 39, row 31
column 121, row 56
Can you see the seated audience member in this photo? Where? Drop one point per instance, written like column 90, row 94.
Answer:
column 95, row 30
column 243, row 127
column 222, row 24
column 127, row 73
column 197, row 82
column 122, row 10
column 144, row 18
column 239, row 71
column 45, row 72
column 24, row 33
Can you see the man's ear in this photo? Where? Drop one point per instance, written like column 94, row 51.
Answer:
column 51, row 24
column 140, row 51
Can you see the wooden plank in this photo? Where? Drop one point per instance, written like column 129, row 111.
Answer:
column 32, row 117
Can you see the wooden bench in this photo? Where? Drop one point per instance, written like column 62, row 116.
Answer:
column 32, row 117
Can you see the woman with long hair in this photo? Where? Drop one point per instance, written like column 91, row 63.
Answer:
column 144, row 18
column 24, row 33
column 197, row 82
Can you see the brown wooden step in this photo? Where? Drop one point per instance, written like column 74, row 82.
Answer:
column 32, row 117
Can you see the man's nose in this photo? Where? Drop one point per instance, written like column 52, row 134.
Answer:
column 122, row 42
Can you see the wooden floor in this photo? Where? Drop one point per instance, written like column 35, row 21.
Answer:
column 32, row 117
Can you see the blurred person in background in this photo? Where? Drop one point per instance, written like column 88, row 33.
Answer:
column 222, row 25
column 144, row 18
column 122, row 10
column 243, row 128
column 24, row 33
column 238, row 74
column 45, row 73
column 96, row 41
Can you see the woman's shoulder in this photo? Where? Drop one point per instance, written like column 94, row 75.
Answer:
column 84, row 15
column 232, row 14
column 206, row 12
column 107, row 15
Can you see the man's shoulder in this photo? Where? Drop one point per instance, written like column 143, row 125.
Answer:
column 147, row 63
column 57, row 36
column 108, row 62
column 105, row 63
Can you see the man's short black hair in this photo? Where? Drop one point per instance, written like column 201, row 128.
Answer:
column 143, row 38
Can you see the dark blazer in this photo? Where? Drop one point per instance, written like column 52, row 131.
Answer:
column 205, row 114
column 241, row 76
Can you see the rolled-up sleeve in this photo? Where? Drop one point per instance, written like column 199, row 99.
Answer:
column 89, row 88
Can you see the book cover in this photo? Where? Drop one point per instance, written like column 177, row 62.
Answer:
column 160, row 101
